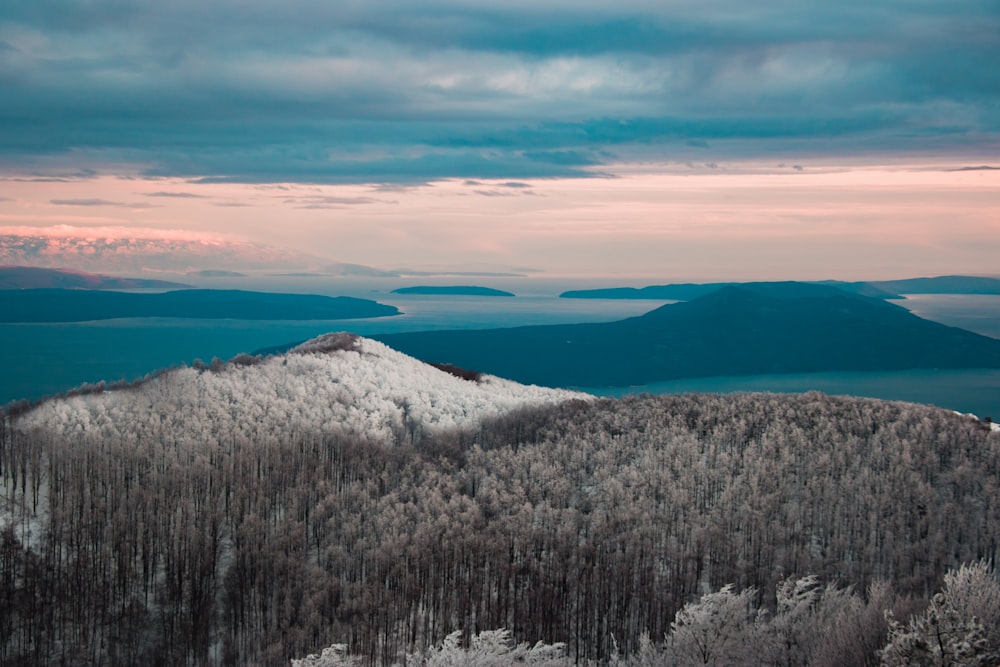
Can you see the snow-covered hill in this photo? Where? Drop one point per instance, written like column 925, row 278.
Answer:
column 331, row 385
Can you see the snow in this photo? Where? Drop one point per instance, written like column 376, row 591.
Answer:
column 367, row 390
column 992, row 424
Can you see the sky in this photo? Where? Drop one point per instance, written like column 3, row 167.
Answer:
column 667, row 140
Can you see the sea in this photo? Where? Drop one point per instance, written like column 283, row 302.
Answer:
column 38, row 360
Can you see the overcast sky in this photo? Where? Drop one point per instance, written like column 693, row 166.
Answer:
column 692, row 140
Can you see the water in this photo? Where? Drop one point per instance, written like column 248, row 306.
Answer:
column 42, row 359
column 975, row 391
column 975, row 312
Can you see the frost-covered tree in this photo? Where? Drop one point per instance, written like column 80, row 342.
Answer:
column 493, row 648
column 489, row 648
column 244, row 515
column 719, row 629
column 951, row 632
column 334, row 655
column 973, row 590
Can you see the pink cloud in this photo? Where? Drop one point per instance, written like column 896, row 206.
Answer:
column 111, row 233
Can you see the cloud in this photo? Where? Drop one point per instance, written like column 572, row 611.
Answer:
column 502, row 189
column 109, row 232
column 100, row 202
column 139, row 250
column 493, row 193
column 381, row 92
column 41, row 179
column 398, row 187
column 177, row 195
column 324, row 202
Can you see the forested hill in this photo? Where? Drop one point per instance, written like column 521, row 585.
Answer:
column 269, row 507
column 333, row 385
column 72, row 305
column 763, row 328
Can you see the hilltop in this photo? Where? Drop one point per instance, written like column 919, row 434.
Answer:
column 334, row 384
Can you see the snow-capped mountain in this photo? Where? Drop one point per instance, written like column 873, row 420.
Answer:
column 335, row 384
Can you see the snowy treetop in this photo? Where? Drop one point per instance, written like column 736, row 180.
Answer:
column 332, row 385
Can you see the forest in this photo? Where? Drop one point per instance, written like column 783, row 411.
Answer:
column 257, row 511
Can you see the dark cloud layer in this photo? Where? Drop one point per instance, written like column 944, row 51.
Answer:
column 400, row 92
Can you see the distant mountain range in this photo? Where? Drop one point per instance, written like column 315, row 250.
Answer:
column 882, row 289
column 33, row 277
column 750, row 329
column 65, row 305
column 452, row 290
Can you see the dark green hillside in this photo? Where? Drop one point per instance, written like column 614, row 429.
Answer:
column 60, row 305
column 751, row 329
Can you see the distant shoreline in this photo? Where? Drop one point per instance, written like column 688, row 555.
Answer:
column 63, row 305
column 452, row 290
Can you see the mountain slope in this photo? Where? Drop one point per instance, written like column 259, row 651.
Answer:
column 333, row 385
column 239, row 517
column 737, row 330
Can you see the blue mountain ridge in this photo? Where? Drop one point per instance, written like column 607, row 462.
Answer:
column 748, row 329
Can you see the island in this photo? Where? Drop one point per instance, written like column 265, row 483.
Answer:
column 689, row 291
column 63, row 305
column 748, row 329
column 452, row 290
column 879, row 289
column 32, row 277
